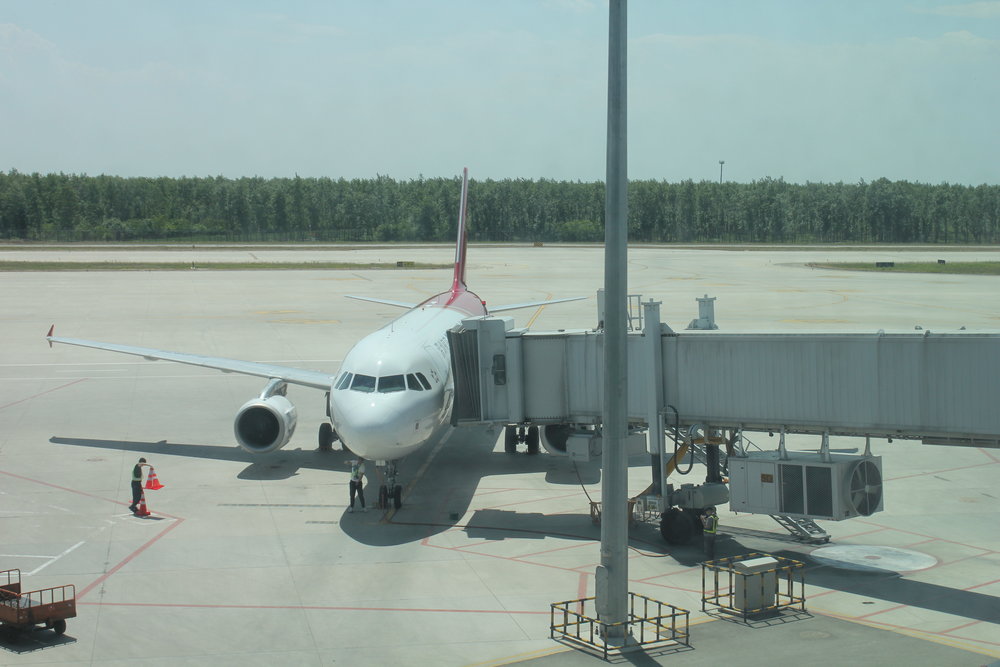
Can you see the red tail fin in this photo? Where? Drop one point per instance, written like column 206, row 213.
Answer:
column 458, row 283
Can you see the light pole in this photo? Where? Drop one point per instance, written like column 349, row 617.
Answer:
column 721, row 162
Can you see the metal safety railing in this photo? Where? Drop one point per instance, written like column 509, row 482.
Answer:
column 753, row 585
column 650, row 623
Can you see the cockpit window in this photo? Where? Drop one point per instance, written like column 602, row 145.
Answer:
column 365, row 383
column 423, row 381
column 345, row 381
column 391, row 383
column 413, row 383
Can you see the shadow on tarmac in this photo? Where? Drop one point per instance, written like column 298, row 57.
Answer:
column 279, row 465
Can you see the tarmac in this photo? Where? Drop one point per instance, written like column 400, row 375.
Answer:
column 255, row 561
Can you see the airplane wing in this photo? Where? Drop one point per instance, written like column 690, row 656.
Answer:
column 388, row 302
column 532, row 304
column 314, row 379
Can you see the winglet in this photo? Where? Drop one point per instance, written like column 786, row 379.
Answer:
column 458, row 283
column 48, row 336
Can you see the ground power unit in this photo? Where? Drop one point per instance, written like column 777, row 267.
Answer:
column 807, row 485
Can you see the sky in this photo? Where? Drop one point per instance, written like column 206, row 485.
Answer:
column 818, row 91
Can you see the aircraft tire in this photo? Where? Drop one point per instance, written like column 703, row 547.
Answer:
column 531, row 439
column 397, row 496
column 326, row 436
column 383, row 497
column 510, row 439
column 677, row 526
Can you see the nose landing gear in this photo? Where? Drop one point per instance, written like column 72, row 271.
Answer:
column 389, row 490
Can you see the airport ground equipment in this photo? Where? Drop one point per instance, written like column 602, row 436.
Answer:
column 651, row 624
column 704, row 391
column 753, row 585
column 22, row 611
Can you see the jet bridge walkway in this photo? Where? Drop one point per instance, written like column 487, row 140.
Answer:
column 937, row 388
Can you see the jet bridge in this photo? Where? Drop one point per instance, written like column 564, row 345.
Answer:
column 707, row 388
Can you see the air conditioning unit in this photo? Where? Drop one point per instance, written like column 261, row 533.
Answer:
column 804, row 485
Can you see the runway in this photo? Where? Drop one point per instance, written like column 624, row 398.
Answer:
column 255, row 561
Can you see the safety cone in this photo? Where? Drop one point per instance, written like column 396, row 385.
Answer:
column 142, row 511
column 151, row 481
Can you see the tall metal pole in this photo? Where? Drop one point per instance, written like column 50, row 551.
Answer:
column 612, row 574
column 721, row 162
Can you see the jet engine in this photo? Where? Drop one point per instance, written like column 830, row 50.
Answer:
column 265, row 424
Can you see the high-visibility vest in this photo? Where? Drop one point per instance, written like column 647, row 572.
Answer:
column 711, row 524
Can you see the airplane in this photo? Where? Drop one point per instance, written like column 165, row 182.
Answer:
column 392, row 395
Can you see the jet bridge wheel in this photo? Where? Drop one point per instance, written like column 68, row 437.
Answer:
column 531, row 439
column 678, row 526
column 510, row 439
column 327, row 436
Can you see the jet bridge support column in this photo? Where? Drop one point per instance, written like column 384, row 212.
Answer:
column 654, row 393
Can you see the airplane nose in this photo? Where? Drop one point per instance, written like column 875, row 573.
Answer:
column 378, row 429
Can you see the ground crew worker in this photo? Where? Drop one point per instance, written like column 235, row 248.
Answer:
column 137, row 484
column 357, row 479
column 710, row 522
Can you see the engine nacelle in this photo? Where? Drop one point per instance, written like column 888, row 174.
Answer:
column 265, row 424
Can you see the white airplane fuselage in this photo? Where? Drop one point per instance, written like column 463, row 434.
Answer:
column 394, row 390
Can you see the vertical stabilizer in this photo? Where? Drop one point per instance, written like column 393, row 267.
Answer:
column 458, row 283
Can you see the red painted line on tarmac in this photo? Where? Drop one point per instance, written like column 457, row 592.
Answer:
column 930, row 537
column 981, row 585
column 958, row 627
column 989, row 454
column 424, row 610
column 125, row 561
column 882, row 611
column 47, row 391
column 531, row 500
column 177, row 521
column 548, row 551
column 905, row 628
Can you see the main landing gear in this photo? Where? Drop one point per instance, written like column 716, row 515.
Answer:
column 327, row 436
column 512, row 435
column 680, row 526
column 389, row 490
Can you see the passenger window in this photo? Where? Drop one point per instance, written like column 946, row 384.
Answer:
column 391, row 383
column 423, row 381
column 365, row 383
column 345, row 381
column 413, row 383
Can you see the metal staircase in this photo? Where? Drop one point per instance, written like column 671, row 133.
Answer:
column 805, row 530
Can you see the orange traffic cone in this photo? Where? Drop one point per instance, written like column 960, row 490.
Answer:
column 151, row 481
column 142, row 511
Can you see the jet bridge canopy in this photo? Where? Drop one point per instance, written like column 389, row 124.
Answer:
column 942, row 388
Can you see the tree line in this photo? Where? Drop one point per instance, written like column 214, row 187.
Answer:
column 68, row 207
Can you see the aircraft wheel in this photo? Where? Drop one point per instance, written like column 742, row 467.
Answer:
column 531, row 439
column 677, row 526
column 397, row 496
column 326, row 436
column 383, row 497
column 510, row 439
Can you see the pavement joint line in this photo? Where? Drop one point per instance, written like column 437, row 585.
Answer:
column 43, row 393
